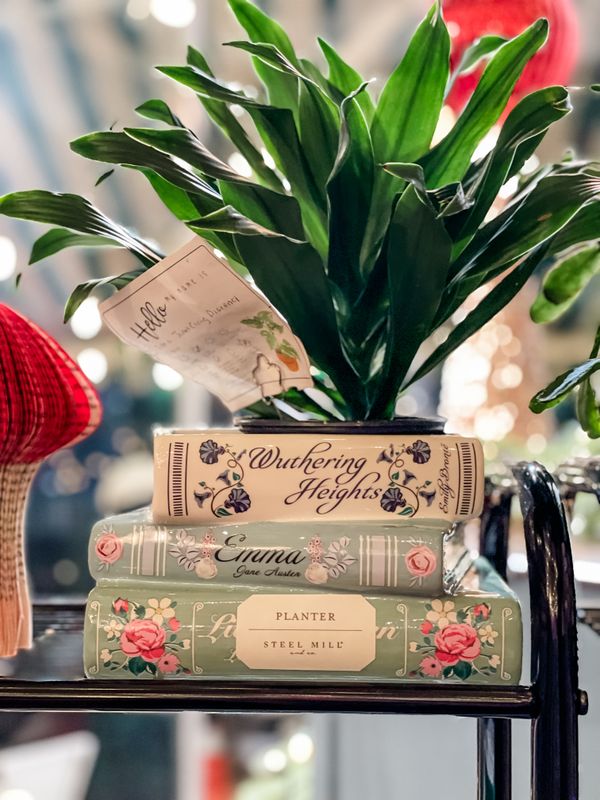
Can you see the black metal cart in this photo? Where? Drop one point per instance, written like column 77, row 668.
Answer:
column 552, row 702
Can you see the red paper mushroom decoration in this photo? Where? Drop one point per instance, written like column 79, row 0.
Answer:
column 468, row 20
column 46, row 403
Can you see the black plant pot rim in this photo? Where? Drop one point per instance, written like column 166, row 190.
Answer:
column 429, row 426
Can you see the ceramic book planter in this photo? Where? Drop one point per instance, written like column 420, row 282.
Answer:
column 418, row 557
column 320, row 474
column 160, row 631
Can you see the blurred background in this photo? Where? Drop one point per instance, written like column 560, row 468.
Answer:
column 68, row 67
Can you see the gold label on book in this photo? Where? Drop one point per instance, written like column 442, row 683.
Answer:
column 306, row 632
column 194, row 313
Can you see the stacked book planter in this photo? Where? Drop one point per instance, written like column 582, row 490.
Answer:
column 319, row 555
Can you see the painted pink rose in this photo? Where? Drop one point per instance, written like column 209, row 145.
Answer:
column 482, row 610
column 420, row 561
column 109, row 548
column 431, row 667
column 174, row 624
column 456, row 642
column 168, row 663
column 426, row 627
column 121, row 606
column 143, row 638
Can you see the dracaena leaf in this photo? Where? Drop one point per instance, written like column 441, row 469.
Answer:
column 278, row 212
column 349, row 191
column 418, row 258
column 282, row 88
column 408, row 108
column 472, row 57
column 405, row 118
column 76, row 213
column 114, row 147
column 561, row 387
column 184, row 145
column 160, row 111
column 84, row 290
column 445, row 201
column 57, row 239
column 564, row 283
column 226, row 120
column 347, row 80
column 229, row 220
column 486, row 310
column 317, row 114
column 527, row 222
column 292, row 277
column 449, row 160
column 529, row 120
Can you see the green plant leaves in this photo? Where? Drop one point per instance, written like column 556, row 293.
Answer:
column 406, row 117
column 114, row 147
column 57, row 239
column 185, row 146
column 530, row 119
column 160, row 111
column 317, row 114
column 84, row 290
column 346, row 79
column 222, row 116
column 473, row 55
column 588, row 399
column 409, row 106
column 562, row 386
column 449, row 160
column 564, row 283
column 292, row 277
column 76, row 213
column 282, row 88
column 487, row 309
column 527, row 222
column 229, row 220
column 418, row 257
column 349, row 191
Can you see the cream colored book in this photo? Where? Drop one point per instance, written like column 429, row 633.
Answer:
column 203, row 476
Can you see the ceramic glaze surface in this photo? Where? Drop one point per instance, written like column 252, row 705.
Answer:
column 204, row 476
column 419, row 557
column 155, row 631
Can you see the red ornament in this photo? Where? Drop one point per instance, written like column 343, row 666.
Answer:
column 46, row 403
column 468, row 20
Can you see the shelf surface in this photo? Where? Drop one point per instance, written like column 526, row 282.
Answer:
column 261, row 696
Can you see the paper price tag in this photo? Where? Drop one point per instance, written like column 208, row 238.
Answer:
column 194, row 313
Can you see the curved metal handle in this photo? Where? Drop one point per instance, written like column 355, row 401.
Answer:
column 554, row 664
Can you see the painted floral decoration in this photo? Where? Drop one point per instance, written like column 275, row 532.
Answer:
column 210, row 451
column 109, row 548
column 421, row 562
column 420, row 451
column 144, row 639
column 392, row 499
column 232, row 497
column 238, row 500
column 456, row 643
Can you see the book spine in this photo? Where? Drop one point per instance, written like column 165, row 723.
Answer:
column 205, row 476
column 134, row 632
column 353, row 556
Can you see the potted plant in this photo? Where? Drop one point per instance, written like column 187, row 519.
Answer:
column 361, row 232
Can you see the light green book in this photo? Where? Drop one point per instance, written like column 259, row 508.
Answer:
column 168, row 630
column 404, row 556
